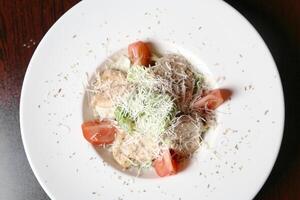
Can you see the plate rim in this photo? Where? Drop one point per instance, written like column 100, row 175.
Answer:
column 21, row 104
column 29, row 71
column 271, row 166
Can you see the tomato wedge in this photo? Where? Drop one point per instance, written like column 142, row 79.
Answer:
column 139, row 53
column 213, row 99
column 99, row 132
column 165, row 165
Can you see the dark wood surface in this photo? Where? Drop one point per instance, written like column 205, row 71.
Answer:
column 23, row 24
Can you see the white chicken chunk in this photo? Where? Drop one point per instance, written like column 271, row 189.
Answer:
column 134, row 150
column 110, row 84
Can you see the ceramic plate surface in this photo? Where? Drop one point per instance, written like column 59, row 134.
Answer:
column 240, row 150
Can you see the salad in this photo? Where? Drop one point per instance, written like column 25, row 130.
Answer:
column 151, row 111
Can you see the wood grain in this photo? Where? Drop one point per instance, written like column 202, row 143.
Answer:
column 23, row 23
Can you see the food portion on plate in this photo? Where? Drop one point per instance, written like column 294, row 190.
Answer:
column 151, row 111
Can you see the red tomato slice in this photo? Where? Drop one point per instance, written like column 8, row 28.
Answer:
column 139, row 53
column 99, row 132
column 213, row 99
column 165, row 165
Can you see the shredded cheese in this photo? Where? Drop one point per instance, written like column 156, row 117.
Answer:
column 151, row 105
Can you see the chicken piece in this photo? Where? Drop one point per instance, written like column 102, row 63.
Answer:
column 134, row 150
column 110, row 85
column 179, row 77
column 118, row 155
column 187, row 136
column 113, row 75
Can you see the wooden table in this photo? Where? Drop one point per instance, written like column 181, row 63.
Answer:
column 23, row 24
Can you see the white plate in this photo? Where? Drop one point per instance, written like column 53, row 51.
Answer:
column 216, row 38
